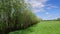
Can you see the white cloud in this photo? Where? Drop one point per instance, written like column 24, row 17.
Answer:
column 50, row 6
column 42, row 1
column 40, row 10
column 37, row 5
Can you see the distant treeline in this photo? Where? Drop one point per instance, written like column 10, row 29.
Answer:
column 58, row 19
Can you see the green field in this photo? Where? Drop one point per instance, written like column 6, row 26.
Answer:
column 44, row 27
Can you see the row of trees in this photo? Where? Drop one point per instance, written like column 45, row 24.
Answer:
column 14, row 15
column 58, row 19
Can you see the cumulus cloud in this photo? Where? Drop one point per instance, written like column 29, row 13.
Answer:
column 37, row 5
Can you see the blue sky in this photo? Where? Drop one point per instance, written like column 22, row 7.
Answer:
column 46, row 9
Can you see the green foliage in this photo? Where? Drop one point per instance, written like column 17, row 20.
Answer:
column 15, row 14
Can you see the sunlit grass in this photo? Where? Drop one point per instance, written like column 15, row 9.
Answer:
column 44, row 27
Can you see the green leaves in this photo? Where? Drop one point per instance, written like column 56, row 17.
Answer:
column 14, row 14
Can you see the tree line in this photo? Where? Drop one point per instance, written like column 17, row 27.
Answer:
column 14, row 15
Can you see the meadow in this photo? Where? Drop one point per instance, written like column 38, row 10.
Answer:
column 44, row 27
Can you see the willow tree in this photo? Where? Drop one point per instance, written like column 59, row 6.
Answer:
column 14, row 15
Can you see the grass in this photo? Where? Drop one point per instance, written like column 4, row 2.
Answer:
column 44, row 27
